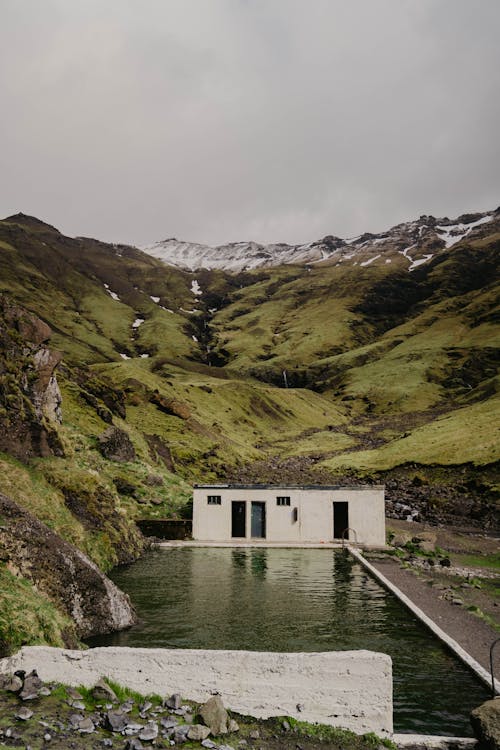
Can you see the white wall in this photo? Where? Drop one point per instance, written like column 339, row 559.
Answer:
column 349, row 689
column 314, row 507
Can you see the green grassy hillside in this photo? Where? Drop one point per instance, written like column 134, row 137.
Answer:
column 383, row 367
column 322, row 373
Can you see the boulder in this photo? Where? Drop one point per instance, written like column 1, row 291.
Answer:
column 116, row 445
column 116, row 721
column 215, row 715
column 401, row 538
column 174, row 702
column 198, row 732
column 102, row 692
column 426, row 541
column 485, row 722
column 63, row 574
column 149, row 732
column 31, row 686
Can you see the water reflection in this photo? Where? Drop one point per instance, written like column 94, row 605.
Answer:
column 295, row 600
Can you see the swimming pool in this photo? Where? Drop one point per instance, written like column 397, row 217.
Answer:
column 296, row 600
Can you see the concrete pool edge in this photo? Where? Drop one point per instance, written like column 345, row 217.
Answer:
column 347, row 689
column 450, row 642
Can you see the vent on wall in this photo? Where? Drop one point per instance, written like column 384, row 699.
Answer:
column 282, row 501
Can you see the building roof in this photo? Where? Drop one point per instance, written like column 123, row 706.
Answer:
column 350, row 488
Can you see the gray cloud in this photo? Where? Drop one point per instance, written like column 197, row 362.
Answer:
column 273, row 120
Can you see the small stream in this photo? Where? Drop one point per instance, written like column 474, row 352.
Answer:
column 296, row 600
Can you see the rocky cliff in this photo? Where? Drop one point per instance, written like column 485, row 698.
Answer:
column 62, row 573
column 30, row 399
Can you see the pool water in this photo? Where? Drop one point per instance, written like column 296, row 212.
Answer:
column 296, row 600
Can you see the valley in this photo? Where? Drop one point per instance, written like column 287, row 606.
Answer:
column 381, row 367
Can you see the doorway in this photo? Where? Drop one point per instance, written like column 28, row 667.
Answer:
column 340, row 520
column 238, row 519
column 259, row 520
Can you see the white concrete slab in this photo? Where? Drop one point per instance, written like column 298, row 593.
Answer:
column 348, row 689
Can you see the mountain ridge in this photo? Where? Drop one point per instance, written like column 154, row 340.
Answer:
column 425, row 238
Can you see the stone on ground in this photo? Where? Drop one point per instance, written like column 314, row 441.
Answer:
column 102, row 692
column 485, row 722
column 215, row 715
column 198, row 732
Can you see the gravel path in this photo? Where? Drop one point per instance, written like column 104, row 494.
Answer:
column 472, row 633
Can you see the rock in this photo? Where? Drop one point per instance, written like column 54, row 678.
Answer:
column 401, row 538
column 44, row 691
column 254, row 734
column 133, row 728
column 79, row 705
column 32, row 684
column 115, row 445
column 102, row 692
column 180, row 734
column 47, row 737
column 24, row 714
column 215, row 715
column 209, row 744
column 198, row 732
column 134, row 744
column 127, row 706
column 169, row 722
column 426, row 541
column 13, row 684
column 485, row 722
column 28, row 430
column 286, row 725
column 86, row 725
column 145, row 707
column 300, row 707
column 150, row 732
column 107, row 742
column 116, row 721
column 63, row 574
column 174, row 702
column 74, row 720
column 233, row 726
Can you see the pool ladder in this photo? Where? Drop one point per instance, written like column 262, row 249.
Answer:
column 346, row 531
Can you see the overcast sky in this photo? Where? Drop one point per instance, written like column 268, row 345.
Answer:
column 225, row 120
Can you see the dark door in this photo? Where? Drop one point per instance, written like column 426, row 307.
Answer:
column 340, row 520
column 259, row 520
column 238, row 518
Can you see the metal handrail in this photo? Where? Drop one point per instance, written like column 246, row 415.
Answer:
column 345, row 532
column 493, row 689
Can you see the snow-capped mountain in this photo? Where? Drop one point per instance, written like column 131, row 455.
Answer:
column 411, row 244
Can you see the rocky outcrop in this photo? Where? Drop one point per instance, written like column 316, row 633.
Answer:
column 485, row 722
column 30, row 400
column 62, row 573
column 116, row 445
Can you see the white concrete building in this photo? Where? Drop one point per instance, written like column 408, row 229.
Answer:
column 293, row 513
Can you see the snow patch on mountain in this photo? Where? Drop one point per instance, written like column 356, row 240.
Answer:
column 418, row 241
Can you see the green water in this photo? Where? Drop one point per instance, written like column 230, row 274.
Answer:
column 296, row 600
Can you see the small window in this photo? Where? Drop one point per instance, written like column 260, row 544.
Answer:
column 282, row 501
column 214, row 500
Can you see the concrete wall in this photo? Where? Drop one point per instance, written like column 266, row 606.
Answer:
column 349, row 689
column 314, row 513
